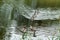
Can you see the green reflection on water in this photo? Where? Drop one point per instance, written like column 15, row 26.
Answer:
column 2, row 33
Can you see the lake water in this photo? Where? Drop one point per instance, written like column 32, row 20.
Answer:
column 42, row 33
column 50, row 32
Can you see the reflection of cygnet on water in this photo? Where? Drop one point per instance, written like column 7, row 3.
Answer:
column 24, row 29
column 34, row 30
column 24, row 32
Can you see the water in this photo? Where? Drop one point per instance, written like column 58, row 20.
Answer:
column 43, row 33
column 11, row 31
column 43, row 14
